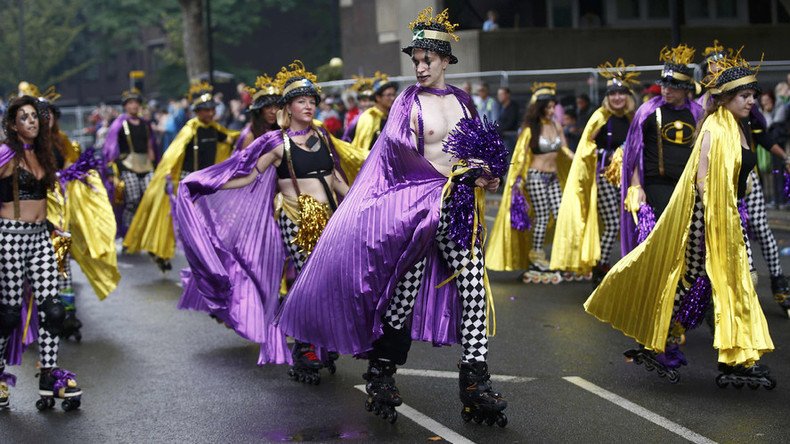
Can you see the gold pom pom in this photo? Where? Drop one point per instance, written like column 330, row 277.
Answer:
column 61, row 242
column 313, row 217
column 614, row 171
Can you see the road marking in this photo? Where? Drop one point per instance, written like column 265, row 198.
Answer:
column 425, row 421
column 639, row 410
column 454, row 375
column 124, row 265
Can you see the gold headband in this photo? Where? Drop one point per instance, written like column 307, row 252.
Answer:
column 541, row 92
column 297, row 84
column 420, row 34
column 734, row 84
column 268, row 91
column 676, row 75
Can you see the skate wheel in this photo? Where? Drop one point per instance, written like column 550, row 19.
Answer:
column 393, row 416
column 555, row 279
column 316, row 380
column 771, row 383
column 291, row 373
column 490, row 420
column 78, row 337
column 332, row 369
column 674, row 376
column 737, row 384
column 42, row 404
column 501, row 420
column 754, row 385
column 376, row 409
column 466, row 415
column 721, row 381
column 649, row 366
column 661, row 372
column 368, row 405
column 545, row 279
column 478, row 418
column 70, row 404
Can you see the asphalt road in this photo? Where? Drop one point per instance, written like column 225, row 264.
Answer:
column 152, row 373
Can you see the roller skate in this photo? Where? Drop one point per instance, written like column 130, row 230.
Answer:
column 71, row 325
column 306, row 364
column 163, row 264
column 56, row 383
column 599, row 272
column 481, row 402
column 755, row 376
column 329, row 362
column 383, row 396
column 665, row 364
column 781, row 291
column 538, row 271
column 6, row 380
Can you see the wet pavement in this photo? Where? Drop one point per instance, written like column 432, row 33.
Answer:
column 152, row 373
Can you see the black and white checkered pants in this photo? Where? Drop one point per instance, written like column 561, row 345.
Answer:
column 758, row 223
column 27, row 258
column 695, row 253
column 289, row 229
column 609, row 212
column 134, row 187
column 545, row 194
column 471, row 288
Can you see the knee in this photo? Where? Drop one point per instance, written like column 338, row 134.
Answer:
column 393, row 345
column 10, row 316
column 54, row 314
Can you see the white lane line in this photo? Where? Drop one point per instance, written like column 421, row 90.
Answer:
column 639, row 411
column 124, row 265
column 426, row 422
column 454, row 375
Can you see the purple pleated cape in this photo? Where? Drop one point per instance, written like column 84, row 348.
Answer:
column 348, row 134
column 385, row 225
column 243, row 135
column 632, row 160
column 234, row 247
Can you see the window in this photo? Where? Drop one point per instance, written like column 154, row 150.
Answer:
column 658, row 9
column 628, row 9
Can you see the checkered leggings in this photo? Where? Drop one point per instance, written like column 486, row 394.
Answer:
column 609, row 211
column 471, row 288
column 758, row 223
column 695, row 252
column 289, row 229
column 135, row 185
column 545, row 194
column 26, row 256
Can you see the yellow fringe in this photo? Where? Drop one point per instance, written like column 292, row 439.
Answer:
column 313, row 217
column 614, row 171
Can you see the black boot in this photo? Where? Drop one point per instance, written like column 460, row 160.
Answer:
column 383, row 395
column 480, row 401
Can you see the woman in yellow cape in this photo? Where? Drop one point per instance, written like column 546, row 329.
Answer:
column 698, row 240
column 152, row 226
column 532, row 193
column 592, row 190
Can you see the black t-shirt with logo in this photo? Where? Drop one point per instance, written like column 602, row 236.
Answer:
column 677, row 136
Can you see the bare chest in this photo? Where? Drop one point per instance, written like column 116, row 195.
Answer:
column 440, row 114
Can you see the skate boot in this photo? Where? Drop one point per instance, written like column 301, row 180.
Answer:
column 599, row 272
column 329, row 362
column 306, row 364
column 665, row 364
column 383, row 396
column 56, row 383
column 163, row 264
column 781, row 291
column 71, row 325
column 480, row 401
column 755, row 376
column 539, row 271
column 6, row 380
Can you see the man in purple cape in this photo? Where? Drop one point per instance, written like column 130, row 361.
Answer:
column 375, row 280
column 132, row 140
column 657, row 147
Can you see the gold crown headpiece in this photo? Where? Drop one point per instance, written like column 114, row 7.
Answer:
column 297, row 70
column 619, row 74
column 200, row 92
column 426, row 18
column 264, row 86
column 362, row 84
column 133, row 93
column 542, row 90
column 29, row 89
column 734, row 71
column 679, row 55
column 716, row 49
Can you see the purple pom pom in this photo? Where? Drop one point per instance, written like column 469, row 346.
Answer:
column 647, row 221
column 693, row 306
column 519, row 208
column 672, row 357
column 787, row 186
column 744, row 212
column 79, row 169
column 479, row 144
column 460, row 211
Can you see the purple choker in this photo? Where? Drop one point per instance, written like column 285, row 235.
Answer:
column 28, row 146
column 434, row 91
column 298, row 133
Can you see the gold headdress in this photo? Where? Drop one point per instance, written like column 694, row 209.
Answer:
column 29, row 89
column 542, row 90
column 425, row 19
column 679, row 55
column 308, row 79
column 363, row 86
column 132, row 94
column 619, row 74
column 264, row 86
column 715, row 52
column 200, row 93
column 734, row 73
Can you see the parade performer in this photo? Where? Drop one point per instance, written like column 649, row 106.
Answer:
column 657, row 147
column 262, row 111
column 27, row 171
column 698, row 253
column 402, row 258
column 593, row 186
column 129, row 151
column 534, row 185
column 363, row 91
column 281, row 190
column 202, row 142
column 755, row 198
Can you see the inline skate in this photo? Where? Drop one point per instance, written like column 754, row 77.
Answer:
column 665, row 364
column 738, row 375
column 539, row 271
column 306, row 364
column 383, row 395
column 6, row 380
column 481, row 402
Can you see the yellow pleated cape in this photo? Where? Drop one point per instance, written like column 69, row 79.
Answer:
column 577, row 240
column 152, row 226
column 637, row 295
column 508, row 249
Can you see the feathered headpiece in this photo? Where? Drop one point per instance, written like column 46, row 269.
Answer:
column 715, row 52
column 369, row 86
column 543, row 91
column 619, row 76
column 734, row 74
column 676, row 72
column 297, row 81
column 200, row 95
column 433, row 33
column 29, row 89
column 265, row 92
column 132, row 94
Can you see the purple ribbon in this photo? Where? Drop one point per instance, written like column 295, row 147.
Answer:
column 62, row 378
column 8, row 378
column 743, row 211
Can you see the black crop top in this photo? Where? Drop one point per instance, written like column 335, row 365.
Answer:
column 30, row 188
column 307, row 162
column 139, row 135
column 748, row 162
